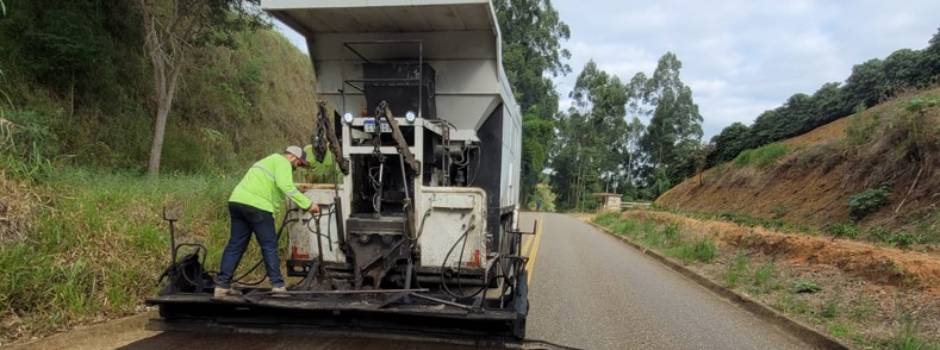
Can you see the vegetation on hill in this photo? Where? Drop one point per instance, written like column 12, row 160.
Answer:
column 81, row 235
column 870, row 83
column 76, row 83
column 602, row 146
column 96, row 245
column 873, row 175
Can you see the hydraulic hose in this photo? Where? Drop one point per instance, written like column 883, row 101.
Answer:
column 463, row 240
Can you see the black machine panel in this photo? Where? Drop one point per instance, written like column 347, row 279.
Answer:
column 397, row 83
column 489, row 176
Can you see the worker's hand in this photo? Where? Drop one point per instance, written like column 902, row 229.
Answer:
column 314, row 209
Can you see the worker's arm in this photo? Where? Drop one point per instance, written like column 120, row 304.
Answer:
column 284, row 178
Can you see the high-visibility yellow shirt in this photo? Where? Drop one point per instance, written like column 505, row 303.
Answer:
column 266, row 183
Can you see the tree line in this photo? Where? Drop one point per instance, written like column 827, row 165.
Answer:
column 603, row 146
column 600, row 144
column 178, row 85
column 869, row 83
column 593, row 146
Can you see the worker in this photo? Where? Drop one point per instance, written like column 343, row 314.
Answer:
column 252, row 206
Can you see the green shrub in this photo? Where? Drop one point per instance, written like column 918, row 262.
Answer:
column 607, row 219
column 736, row 269
column 830, row 309
column 626, row 227
column 805, row 286
column 670, row 234
column 666, row 237
column 903, row 239
column 879, row 234
column 868, row 201
column 842, row 230
column 860, row 128
column 702, row 250
column 763, row 276
column 32, row 147
column 788, row 303
column 908, row 337
column 543, row 198
column 761, row 156
column 838, row 329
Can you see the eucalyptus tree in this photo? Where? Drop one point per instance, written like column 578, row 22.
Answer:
column 591, row 136
column 675, row 128
column 172, row 30
column 532, row 33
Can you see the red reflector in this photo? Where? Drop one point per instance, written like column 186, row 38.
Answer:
column 475, row 261
column 295, row 254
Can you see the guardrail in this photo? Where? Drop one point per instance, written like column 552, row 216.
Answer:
column 635, row 205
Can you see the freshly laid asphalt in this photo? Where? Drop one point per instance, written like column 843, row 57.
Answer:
column 587, row 290
column 592, row 291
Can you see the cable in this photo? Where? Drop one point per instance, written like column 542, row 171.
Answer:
column 330, row 212
column 424, row 218
column 261, row 260
column 182, row 270
column 476, row 171
column 463, row 238
column 328, row 235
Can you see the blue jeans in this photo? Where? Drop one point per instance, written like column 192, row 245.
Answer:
column 246, row 219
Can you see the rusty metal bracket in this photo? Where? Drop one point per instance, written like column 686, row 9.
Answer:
column 324, row 135
column 382, row 111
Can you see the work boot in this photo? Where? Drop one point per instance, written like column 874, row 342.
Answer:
column 220, row 292
column 279, row 291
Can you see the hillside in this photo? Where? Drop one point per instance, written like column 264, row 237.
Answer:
column 81, row 236
column 80, row 91
column 885, row 159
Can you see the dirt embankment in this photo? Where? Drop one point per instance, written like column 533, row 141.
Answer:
column 882, row 265
column 894, row 146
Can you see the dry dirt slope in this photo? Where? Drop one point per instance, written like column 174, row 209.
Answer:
column 895, row 144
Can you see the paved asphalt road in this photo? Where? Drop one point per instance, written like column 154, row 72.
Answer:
column 588, row 290
column 591, row 291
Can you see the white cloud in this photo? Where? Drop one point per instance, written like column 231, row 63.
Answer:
column 742, row 57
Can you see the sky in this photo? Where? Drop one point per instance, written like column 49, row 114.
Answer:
column 739, row 57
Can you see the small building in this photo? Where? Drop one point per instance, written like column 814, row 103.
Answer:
column 607, row 201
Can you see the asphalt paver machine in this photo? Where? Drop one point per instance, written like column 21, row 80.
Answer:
column 419, row 233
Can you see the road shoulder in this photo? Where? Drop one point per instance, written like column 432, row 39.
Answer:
column 760, row 310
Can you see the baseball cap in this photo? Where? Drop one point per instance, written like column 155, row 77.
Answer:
column 299, row 153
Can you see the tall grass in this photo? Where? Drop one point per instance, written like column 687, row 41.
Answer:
column 761, row 156
column 98, row 244
column 667, row 238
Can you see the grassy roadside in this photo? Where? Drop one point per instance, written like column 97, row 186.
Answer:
column 96, row 244
column 923, row 238
column 664, row 238
column 863, row 314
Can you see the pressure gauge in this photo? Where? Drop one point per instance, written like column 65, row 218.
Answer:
column 410, row 116
column 348, row 118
